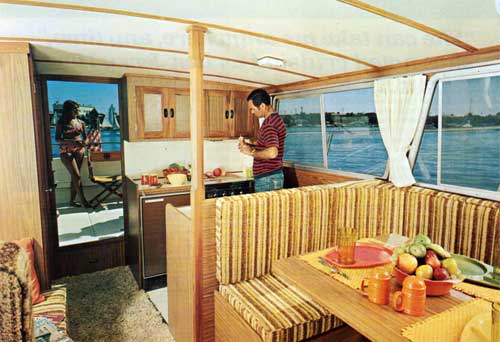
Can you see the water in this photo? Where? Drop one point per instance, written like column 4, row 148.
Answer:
column 110, row 141
column 470, row 158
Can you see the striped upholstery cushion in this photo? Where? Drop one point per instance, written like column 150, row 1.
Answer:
column 53, row 307
column 278, row 311
column 252, row 231
column 461, row 224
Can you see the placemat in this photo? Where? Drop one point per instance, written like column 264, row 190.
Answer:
column 351, row 277
column 478, row 291
column 446, row 326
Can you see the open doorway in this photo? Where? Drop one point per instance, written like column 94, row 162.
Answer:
column 87, row 173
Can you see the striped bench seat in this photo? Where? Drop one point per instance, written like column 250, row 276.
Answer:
column 53, row 307
column 278, row 311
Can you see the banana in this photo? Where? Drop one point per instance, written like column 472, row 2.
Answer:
column 440, row 251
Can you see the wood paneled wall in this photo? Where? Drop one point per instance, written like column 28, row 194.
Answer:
column 181, row 275
column 89, row 257
column 295, row 177
column 19, row 193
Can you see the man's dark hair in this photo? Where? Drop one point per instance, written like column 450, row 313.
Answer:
column 259, row 96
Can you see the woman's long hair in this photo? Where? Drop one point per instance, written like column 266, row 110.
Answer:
column 67, row 112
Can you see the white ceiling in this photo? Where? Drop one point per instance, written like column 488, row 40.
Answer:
column 324, row 24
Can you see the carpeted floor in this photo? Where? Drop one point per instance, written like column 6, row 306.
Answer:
column 107, row 306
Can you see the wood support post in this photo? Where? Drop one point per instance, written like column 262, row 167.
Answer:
column 196, row 56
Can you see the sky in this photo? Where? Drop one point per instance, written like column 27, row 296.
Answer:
column 480, row 96
column 98, row 95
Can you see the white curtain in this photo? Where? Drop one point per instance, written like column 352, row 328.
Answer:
column 398, row 102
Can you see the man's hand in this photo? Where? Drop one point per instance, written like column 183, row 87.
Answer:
column 244, row 148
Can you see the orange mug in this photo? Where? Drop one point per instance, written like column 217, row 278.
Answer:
column 411, row 300
column 153, row 179
column 379, row 286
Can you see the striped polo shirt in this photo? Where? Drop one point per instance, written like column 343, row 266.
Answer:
column 271, row 133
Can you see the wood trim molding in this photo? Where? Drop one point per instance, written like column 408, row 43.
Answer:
column 147, row 48
column 411, row 23
column 14, row 47
column 146, row 68
column 488, row 54
column 70, row 78
column 183, row 21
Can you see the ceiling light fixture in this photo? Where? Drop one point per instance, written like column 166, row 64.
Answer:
column 269, row 61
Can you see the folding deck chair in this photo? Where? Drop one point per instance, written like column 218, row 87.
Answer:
column 110, row 184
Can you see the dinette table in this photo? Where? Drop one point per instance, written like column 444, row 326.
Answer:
column 375, row 322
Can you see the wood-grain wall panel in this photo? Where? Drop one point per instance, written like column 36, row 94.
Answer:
column 181, row 276
column 89, row 257
column 295, row 177
column 19, row 191
column 209, row 281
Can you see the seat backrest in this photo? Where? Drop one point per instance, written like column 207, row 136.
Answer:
column 15, row 295
column 461, row 224
column 252, row 231
column 99, row 157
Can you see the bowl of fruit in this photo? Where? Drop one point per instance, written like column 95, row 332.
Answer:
column 428, row 261
column 176, row 168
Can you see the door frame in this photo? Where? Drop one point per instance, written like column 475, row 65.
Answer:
column 48, row 205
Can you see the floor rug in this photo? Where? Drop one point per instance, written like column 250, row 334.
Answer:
column 108, row 306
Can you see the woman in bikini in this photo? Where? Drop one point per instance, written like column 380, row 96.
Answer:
column 71, row 135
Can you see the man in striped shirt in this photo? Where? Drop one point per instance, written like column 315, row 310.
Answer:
column 267, row 150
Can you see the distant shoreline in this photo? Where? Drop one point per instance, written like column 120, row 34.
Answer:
column 364, row 129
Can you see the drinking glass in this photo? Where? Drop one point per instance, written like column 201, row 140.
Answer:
column 346, row 245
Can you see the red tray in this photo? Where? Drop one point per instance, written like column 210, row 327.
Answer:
column 366, row 255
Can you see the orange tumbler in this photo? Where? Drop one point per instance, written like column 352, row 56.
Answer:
column 411, row 300
column 379, row 286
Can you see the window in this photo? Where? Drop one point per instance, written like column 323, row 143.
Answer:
column 353, row 139
column 461, row 140
column 337, row 130
column 304, row 141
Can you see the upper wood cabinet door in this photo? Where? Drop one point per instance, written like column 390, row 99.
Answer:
column 217, row 113
column 242, row 121
column 152, row 112
column 179, row 113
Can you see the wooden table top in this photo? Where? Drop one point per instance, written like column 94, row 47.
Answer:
column 376, row 322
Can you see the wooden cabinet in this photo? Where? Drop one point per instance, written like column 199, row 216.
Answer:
column 217, row 113
column 243, row 122
column 156, row 108
column 227, row 114
column 154, row 231
column 162, row 112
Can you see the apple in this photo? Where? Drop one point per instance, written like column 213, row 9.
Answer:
column 407, row 263
column 432, row 259
column 217, row 172
column 424, row 272
column 441, row 274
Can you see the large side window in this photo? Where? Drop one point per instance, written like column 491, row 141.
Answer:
column 354, row 142
column 461, row 141
column 302, row 117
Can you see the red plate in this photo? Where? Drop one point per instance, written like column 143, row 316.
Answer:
column 365, row 254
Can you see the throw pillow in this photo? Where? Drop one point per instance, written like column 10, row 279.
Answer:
column 27, row 245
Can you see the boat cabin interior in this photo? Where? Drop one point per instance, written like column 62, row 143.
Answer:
column 199, row 171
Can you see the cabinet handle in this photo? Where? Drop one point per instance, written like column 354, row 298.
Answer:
column 154, row 200
column 172, row 112
column 165, row 112
column 232, row 114
column 227, row 114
